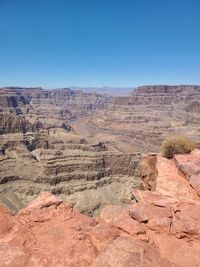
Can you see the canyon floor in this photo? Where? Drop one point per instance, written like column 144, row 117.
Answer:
column 82, row 182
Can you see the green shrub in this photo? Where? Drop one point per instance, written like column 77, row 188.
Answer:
column 176, row 145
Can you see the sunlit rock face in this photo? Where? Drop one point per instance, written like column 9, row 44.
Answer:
column 50, row 108
column 61, row 162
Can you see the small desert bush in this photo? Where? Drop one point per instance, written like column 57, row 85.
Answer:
column 176, row 145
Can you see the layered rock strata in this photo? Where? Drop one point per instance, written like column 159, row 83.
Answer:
column 159, row 229
column 45, row 108
column 135, row 123
column 141, row 122
column 86, row 175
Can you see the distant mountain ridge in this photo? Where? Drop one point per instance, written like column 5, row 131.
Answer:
column 115, row 91
column 166, row 89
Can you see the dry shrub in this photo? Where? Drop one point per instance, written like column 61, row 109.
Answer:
column 176, row 145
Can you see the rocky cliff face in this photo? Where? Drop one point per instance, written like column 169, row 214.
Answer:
column 50, row 108
column 12, row 97
column 141, row 121
column 10, row 123
column 160, row 95
column 167, row 89
column 86, row 175
column 160, row 228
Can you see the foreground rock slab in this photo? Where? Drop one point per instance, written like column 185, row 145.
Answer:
column 189, row 165
column 50, row 233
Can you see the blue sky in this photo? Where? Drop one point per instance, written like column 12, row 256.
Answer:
column 56, row 43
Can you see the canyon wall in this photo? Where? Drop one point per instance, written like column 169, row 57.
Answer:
column 57, row 161
column 141, row 121
column 49, row 108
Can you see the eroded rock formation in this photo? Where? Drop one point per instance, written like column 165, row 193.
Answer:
column 64, row 164
column 160, row 228
column 141, row 122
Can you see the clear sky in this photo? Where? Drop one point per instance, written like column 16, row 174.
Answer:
column 56, row 43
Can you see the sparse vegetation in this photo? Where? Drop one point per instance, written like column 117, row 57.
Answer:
column 176, row 145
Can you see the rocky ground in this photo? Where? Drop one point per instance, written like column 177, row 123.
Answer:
column 160, row 228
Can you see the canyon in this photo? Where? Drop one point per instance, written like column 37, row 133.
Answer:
column 82, row 182
column 41, row 151
column 141, row 121
column 86, row 147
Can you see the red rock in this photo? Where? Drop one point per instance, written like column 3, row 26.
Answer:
column 189, row 165
column 181, row 219
column 119, row 217
column 144, row 212
column 186, row 222
column 111, row 213
column 180, row 251
column 171, row 183
column 177, row 237
column 7, row 221
column 145, row 196
column 52, row 235
column 160, row 224
column 130, row 226
column 127, row 252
